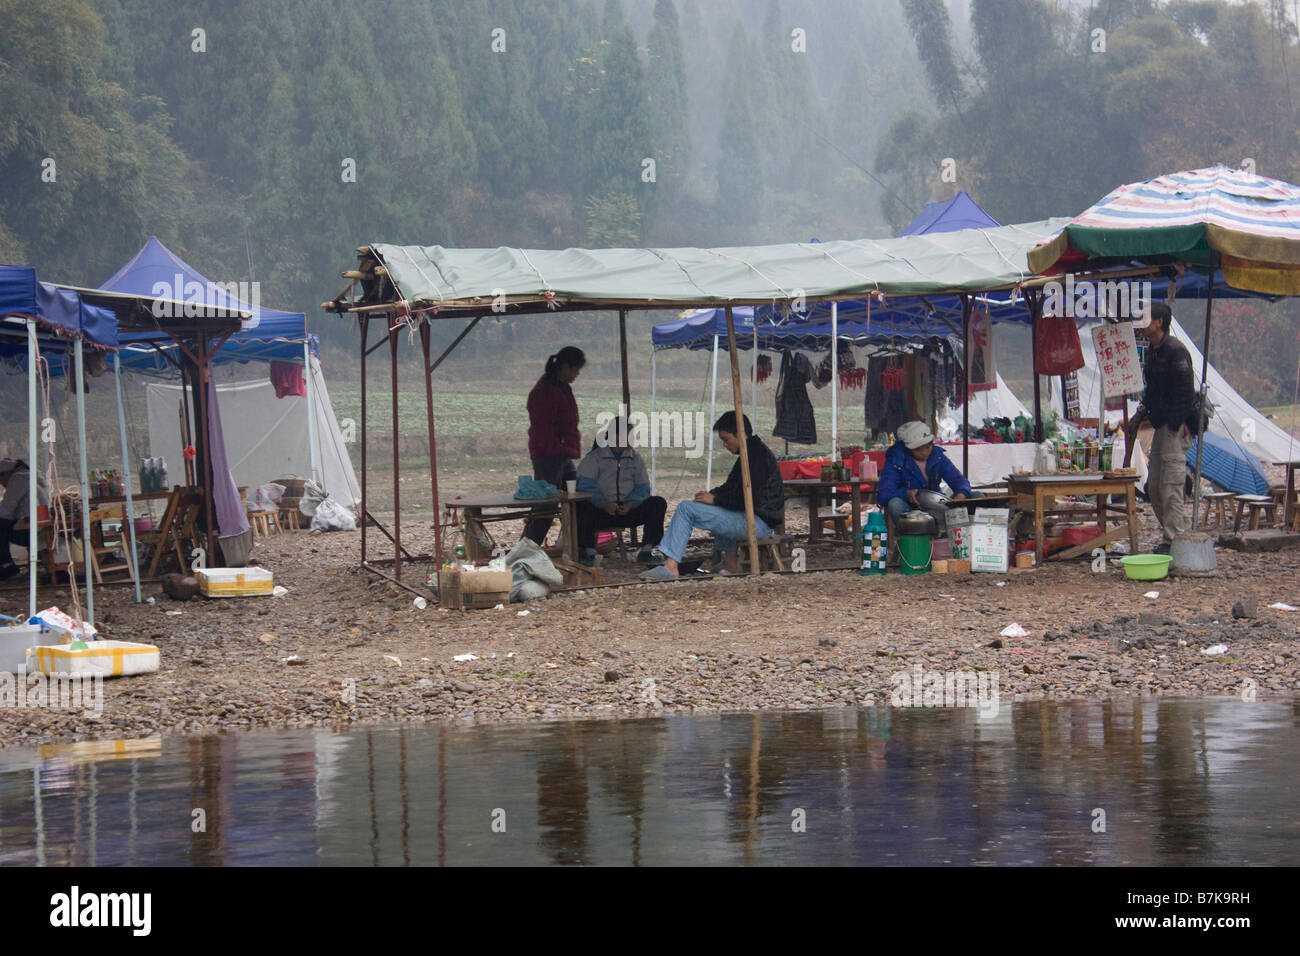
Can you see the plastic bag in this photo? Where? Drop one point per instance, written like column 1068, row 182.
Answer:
column 312, row 495
column 332, row 516
column 533, row 574
column 1059, row 351
column 267, row 497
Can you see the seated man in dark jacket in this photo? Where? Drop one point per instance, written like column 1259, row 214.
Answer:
column 722, row 510
column 915, row 463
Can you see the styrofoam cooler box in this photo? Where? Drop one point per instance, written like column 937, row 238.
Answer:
column 107, row 658
column 235, row 582
column 14, row 642
column 989, row 540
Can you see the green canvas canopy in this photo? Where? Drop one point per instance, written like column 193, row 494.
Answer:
column 468, row 281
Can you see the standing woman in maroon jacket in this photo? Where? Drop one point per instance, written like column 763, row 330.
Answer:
column 553, row 440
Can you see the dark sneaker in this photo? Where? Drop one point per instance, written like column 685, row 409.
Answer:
column 648, row 558
column 587, row 560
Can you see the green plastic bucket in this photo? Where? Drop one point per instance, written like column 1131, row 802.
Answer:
column 914, row 553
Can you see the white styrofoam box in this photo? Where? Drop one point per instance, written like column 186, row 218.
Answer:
column 235, row 582
column 14, row 642
column 107, row 658
column 989, row 540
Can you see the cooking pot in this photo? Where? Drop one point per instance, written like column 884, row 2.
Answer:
column 916, row 523
column 931, row 500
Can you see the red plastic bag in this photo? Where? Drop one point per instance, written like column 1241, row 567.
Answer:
column 1059, row 351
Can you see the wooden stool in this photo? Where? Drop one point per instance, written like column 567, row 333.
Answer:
column 289, row 519
column 622, row 544
column 769, row 546
column 1216, row 503
column 839, row 521
column 1257, row 504
column 263, row 522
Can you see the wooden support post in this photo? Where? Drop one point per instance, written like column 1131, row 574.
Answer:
column 1034, row 299
column 364, row 321
column 739, row 404
column 965, row 408
column 425, row 334
column 622, row 349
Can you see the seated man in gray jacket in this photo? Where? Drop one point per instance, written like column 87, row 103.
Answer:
column 619, row 484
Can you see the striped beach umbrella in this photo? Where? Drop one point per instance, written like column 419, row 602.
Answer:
column 1247, row 224
column 1209, row 219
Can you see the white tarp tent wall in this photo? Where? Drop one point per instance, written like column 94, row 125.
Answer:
column 1234, row 418
column 266, row 437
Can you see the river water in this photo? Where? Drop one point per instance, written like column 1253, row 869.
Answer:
column 1143, row 782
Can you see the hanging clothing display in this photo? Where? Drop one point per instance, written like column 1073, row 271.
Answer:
column 909, row 385
column 794, row 412
column 983, row 369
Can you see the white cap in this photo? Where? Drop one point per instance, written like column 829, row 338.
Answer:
column 915, row 435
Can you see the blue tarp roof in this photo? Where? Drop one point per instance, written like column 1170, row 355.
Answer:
column 56, row 310
column 156, row 271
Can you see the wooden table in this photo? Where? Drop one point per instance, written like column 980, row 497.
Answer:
column 815, row 487
column 509, row 508
column 1042, row 487
column 1289, row 511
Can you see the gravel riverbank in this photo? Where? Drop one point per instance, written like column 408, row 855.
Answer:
column 344, row 647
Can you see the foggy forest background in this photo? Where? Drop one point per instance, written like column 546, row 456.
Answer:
column 232, row 155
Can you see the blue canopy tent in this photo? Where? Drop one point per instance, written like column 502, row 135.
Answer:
column 269, row 335
column 57, row 321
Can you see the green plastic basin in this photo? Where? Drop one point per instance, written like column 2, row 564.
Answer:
column 1146, row 567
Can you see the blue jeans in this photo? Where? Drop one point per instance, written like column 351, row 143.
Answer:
column 727, row 526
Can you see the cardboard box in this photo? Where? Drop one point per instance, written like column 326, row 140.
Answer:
column 473, row 590
column 235, row 582
column 1025, row 559
column 989, row 540
column 958, row 566
column 939, row 565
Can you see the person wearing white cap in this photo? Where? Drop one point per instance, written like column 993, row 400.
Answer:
column 915, row 463
column 1170, row 404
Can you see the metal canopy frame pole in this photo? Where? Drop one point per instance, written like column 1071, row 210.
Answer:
column 713, row 402
column 33, row 359
column 835, row 381
column 87, row 558
column 397, row 468
column 311, row 413
column 745, row 479
column 129, row 522
column 1205, row 388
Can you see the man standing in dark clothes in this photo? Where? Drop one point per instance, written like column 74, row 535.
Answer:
column 1168, row 403
column 722, row 510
